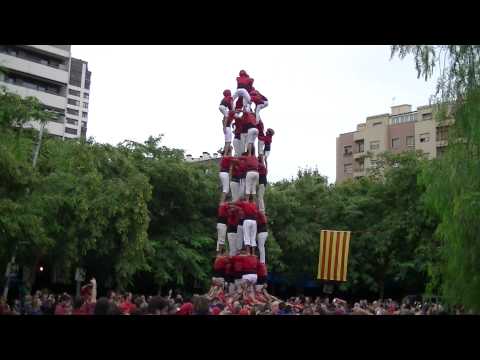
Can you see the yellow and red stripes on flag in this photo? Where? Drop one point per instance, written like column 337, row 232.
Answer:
column 333, row 258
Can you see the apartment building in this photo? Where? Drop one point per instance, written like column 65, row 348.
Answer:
column 60, row 82
column 401, row 130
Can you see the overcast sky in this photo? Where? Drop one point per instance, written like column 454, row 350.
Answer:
column 314, row 92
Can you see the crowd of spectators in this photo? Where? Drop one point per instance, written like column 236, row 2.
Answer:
column 246, row 301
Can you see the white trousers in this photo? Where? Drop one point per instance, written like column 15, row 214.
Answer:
column 261, row 202
column 241, row 191
column 251, row 182
column 258, row 108
column 221, row 234
column 250, row 278
column 261, row 240
column 247, row 100
column 228, row 134
column 243, row 142
column 250, row 232
column 239, row 237
column 237, row 146
column 225, row 180
column 252, row 135
column 232, row 244
column 235, row 186
column 261, row 144
column 224, row 110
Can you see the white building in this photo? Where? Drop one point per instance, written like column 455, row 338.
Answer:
column 60, row 82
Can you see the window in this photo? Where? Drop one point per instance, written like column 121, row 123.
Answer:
column 377, row 123
column 427, row 116
column 85, row 105
column 374, row 145
column 442, row 133
column 86, row 95
column 73, row 102
column 424, row 138
column 412, row 117
column 84, row 114
column 373, row 163
column 72, row 121
column 347, row 168
column 84, row 123
column 72, row 112
column 410, row 140
column 83, row 133
column 70, row 131
column 347, row 150
column 74, row 92
column 360, row 165
column 360, row 146
column 395, row 143
column 441, row 151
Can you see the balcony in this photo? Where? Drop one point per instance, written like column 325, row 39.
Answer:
column 33, row 68
column 44, row 97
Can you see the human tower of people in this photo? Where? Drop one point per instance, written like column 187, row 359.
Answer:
column 241, row 211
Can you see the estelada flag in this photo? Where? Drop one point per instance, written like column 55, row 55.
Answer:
column 333, row 258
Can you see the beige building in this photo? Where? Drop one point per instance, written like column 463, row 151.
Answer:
column 49, row 73
column 404, row 129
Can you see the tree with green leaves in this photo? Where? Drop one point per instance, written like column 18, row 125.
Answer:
column 452, row 181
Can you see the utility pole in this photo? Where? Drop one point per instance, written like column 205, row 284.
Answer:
column 36, row 151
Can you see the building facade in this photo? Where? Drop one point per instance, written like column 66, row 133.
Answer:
column 60, row 82
column 402, row 130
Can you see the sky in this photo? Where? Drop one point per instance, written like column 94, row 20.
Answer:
column 315, row 93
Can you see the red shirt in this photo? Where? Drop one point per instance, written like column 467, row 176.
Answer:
column 250, row 263
column 251, row 163
column 258, row 98
column 261, row 218
column 260, row 128
column 239, row 104
column 249, row 208
column 262, row 270
column 127, row 307
column 268, row 139
column 238, row 126
column 239, row 168
column 234, row 216
column 228, row 102
column 221, row 263
column 249, row 118
column 245, row 82
column 262, row 170
column 225, row 163
column 223, row 210
column 237, row 263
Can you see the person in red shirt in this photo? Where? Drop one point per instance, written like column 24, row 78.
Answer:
column 236, row 178
column 226, row 108
column 237, row 139
column 262, row 181
column 262, row 274
column 250, row 125
column 261, row 102
column 233, row 219
column 250, row 264
column 261, row 137
column 252, row 177
column 262, row 235
column 222, row 226
column 224, row 173
column 268, row 143
column 219, row 268
column 244, row 86
column 249, row 225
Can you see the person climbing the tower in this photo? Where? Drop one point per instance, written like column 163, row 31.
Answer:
column 268, row 144
column 252, row 177
column 261, row 137
column 237, row 166
column 237, row 140
column 262, row 235
column 222, row 216
column 233, row 221
column 244, row 86
column 261, row 102
column 250, row 126
column 262, row 183
column 224, row 173
column 249, row 225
